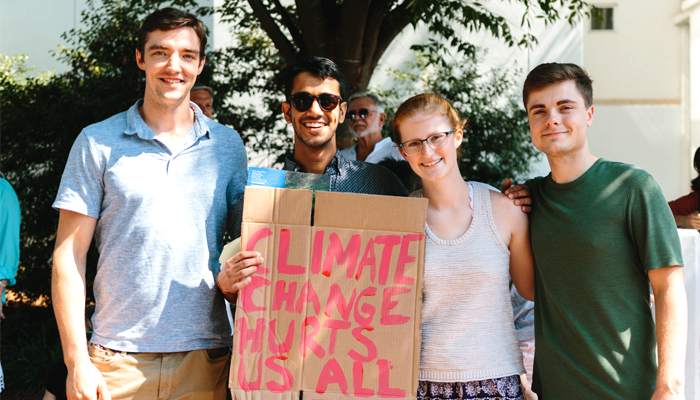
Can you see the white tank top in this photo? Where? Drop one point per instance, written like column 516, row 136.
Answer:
column 467, row 327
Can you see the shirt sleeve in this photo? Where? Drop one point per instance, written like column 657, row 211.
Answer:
column 82, row 187
column 684, row 205
column 652, row 226
column 9, row 232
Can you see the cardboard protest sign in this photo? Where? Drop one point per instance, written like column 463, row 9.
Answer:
column 335, row 312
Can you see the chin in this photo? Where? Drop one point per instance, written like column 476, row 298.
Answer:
column 314, row 141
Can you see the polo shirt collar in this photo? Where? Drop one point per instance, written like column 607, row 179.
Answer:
column 136, row 125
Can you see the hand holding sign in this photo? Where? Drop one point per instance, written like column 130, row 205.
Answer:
column 236, row 269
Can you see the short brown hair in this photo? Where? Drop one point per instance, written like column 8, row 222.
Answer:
column 421, row 103
column 167, row 19
column 550, row 73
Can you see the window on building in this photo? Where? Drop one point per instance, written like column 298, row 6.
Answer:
column 605, row 22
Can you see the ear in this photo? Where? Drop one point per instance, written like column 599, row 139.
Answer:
column 139, row 60
column 201, row 65
column 459, row 137
column 343, row 110
column 395, row 137
column 590, row 116
column 402, row 153
column 382, row 119
column 287, row 112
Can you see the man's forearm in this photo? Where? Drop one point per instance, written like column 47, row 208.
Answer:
column 671, row 332
column 68, row 296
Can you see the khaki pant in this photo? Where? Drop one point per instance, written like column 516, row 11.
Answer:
column 197, row 374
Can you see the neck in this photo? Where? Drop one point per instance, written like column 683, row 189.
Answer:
column 446, row 193
column 365, row 145
column 368, row 142
column 314, row 160
column 167, row 119
column 570, row 167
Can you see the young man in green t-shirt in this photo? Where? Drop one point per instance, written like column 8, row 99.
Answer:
column 601, row 232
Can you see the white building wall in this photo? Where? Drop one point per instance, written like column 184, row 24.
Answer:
column 689, row 18
column 34, row 27
column 648, row 136
column 637, row 91
column 640, row 59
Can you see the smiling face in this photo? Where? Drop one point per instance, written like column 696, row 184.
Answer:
column 559, row 119
column 431, row 164
column 315, row 127
column 371, row 124
column 171, row 61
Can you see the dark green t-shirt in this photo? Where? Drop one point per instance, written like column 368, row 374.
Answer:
column 594, row 239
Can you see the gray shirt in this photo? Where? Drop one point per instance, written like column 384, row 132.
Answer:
column 161, row 219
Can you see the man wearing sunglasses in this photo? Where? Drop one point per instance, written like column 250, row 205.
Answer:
column 315, row 106
column 314, row 89
column 366, row 118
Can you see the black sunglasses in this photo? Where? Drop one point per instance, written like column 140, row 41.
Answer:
column 303, row 101
column 362, row 113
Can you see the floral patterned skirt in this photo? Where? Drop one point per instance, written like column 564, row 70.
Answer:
column 506, row 388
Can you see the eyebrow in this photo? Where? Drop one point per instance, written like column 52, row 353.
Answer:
column 560, row 102
column 161, row 47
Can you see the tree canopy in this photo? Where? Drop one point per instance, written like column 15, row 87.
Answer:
column 356, row 33
column 270, row 35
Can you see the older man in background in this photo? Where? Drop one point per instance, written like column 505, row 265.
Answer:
column 366, row 117
column 203, row 97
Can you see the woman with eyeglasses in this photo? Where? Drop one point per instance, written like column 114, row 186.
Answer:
column 476, row 240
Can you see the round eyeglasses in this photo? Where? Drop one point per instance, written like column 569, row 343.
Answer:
column 435, row 141
column 303, row 101
column 362, row 113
